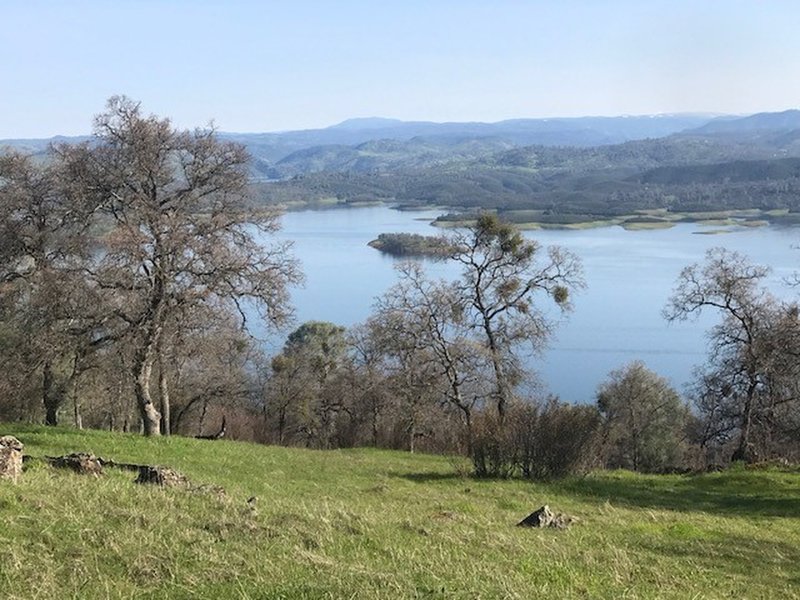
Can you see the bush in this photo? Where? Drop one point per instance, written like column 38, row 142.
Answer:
column 645, row 421
column 536, row 442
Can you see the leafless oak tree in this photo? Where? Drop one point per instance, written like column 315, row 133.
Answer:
column 739, row 386
column 178, row 234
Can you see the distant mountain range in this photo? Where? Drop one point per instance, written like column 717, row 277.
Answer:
column 761, row 122
column 570, row 168
column 577, row 131
column 270, row 148
column 280, row 150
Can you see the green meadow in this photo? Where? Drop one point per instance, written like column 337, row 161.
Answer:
column 371, row 523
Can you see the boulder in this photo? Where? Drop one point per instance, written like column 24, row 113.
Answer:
column 163, row 476
column 82, row 463
column 10, row 457
column 544, row 517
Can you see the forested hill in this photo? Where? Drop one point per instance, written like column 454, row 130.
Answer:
column 737, row 140
column 787, row 120
column 749, row 164
column 269, row 148
column 580, row 168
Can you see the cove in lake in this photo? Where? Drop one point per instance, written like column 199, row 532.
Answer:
column 617, row 319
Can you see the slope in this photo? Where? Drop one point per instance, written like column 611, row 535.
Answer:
column 377, row 524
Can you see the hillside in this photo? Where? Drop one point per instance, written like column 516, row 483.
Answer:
column 377, row 524
column 579, row 131
column 776, row 121
column 590, row 170
column 679, row 173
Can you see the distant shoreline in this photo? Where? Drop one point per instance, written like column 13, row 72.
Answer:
column 532, row 220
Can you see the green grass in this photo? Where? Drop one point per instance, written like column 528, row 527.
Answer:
column 378, row 524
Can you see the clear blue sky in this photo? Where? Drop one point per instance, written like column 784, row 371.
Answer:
column 265, row 66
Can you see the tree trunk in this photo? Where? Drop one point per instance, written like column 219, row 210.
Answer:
column 203, row 413
column 458, row 400
column 499, row 372
column 50, row 398
column 412, row 427
column 375, row 414
column 468, row 424
column 281, row 425
column 72, row 392
column 143, row 372
column 145, row 356
column 77, row 413
column 163, row 391
column 745, row 450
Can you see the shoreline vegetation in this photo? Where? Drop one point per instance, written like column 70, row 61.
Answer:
column 722, row 221
column 641, row 220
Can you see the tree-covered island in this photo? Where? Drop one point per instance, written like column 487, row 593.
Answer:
column 413, row 245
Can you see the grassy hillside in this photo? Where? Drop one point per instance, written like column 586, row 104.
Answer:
column 378, row 524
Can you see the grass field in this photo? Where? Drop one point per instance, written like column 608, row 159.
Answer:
column 378, row 524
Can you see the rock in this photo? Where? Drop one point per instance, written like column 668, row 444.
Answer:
column 544, row 517
column 538, row 518
column 163, row 476
column 82, row 463
column 10, row 457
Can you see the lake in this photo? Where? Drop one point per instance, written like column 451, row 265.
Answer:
column 617, row 319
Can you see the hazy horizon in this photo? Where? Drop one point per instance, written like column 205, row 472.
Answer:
column 709, row 115
column 270, row 67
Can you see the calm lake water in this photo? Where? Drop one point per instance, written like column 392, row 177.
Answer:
column 617, row 319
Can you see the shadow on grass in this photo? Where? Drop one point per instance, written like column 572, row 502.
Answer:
column 732, row 492
column 734, row 555
column 432, row 477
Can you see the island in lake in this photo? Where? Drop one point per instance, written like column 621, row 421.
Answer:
column 413, row 245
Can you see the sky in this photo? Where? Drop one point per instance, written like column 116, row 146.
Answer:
column 268, row 66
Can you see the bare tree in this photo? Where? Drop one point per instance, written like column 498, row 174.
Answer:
column 179, row 236
column 43, row 244
column 427, row 319
column 370, row 396
column 503, row 273
column 411, row 374
column 737, row 388
column 206, row 358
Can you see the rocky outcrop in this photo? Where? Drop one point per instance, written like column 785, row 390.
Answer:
column 82, row 463
column 544, row 517
column 10, row 457
column 85, row 463
column 162, row 476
